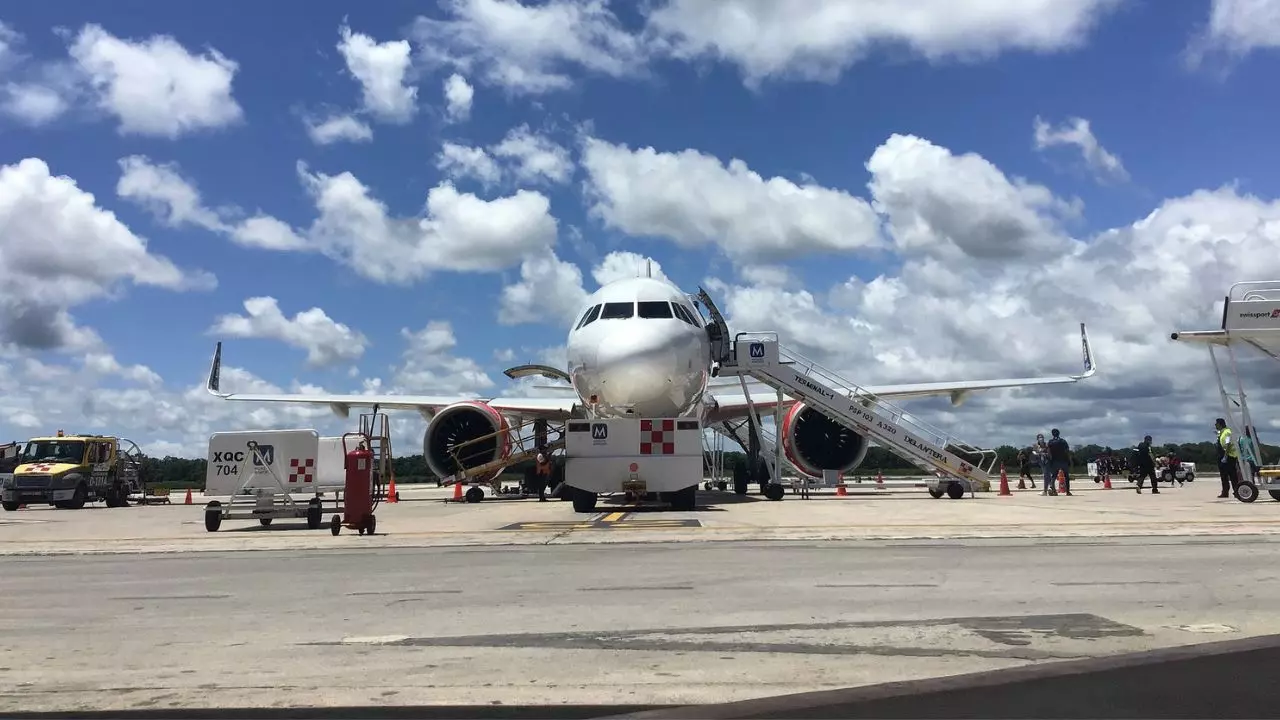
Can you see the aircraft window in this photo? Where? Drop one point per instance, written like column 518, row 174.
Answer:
column 653, row 309
column 681, row 313
column 617, row 311
column 588, row 316
column 693, row 315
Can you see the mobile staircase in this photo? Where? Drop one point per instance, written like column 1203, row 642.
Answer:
column 958, row 467
column 522, row 440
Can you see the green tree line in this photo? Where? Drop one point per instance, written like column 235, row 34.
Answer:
column 182, row 473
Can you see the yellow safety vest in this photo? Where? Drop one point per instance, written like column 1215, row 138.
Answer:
column 1224, row 439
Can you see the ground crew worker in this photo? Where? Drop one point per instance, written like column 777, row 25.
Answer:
column 1024, row 467
column 543, row 466
column 1059, row 460
column 1041, row 451
column 1228, row 451
column 1249, row 451
column 1147, row 465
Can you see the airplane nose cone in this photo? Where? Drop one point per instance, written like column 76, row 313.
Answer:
column 637, row 371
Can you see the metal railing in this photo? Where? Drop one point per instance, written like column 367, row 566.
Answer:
column 892, row 413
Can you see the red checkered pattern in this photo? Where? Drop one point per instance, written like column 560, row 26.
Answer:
column 301, row 470
column 41, row 467
column 658, row 438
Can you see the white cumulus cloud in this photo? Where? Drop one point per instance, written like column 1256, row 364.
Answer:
column 326, row 340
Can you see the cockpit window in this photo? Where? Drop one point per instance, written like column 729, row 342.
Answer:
column 652, row 309
column 617, row 311
column 682, row 313
column 589, row 317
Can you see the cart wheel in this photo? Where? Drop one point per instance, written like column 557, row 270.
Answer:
column 371, row 524
column 266, row 522
column 212, row 519
column 335, row 525
column 474, row 495
column 955, row 491
column 936, row 493
column 1275, row 494
column 1246, row 492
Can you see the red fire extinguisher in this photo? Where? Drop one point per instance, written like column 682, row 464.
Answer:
column 358, row 488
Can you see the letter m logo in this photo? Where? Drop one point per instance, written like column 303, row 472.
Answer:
column 756, row 350
column 268, row 453
column 599, row 431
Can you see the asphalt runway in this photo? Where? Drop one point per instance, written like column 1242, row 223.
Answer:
column 630, row 624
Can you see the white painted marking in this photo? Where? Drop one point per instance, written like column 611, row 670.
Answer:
column 1207, row 628
column 374, row 640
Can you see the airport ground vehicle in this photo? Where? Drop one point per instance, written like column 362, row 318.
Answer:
column 67, row 471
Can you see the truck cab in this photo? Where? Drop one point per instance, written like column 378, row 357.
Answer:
column 67, row 471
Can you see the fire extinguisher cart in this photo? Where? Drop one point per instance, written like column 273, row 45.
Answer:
column 359, row 496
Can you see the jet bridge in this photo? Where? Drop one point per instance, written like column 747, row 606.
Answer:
column 1250, row 317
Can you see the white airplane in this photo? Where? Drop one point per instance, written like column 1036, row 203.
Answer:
column 639, row 348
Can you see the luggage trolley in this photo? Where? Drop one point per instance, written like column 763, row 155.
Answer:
column 1250, row 316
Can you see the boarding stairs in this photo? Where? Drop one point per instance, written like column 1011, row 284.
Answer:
column 376, row 428
column 523, row 438
column 761, row 356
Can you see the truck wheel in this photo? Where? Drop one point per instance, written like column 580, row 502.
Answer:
column 315, row 516
column 774, row 491
column 685, row 499
column 11, row 506
column 77, row 501
column 583, row 501
column 1275, row 495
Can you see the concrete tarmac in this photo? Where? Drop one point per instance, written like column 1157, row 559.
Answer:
column 657, row 623
column 424, row 519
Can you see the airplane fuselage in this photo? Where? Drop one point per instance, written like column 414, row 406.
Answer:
column 638, row 348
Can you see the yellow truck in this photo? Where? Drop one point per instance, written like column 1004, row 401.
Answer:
column 67, row 471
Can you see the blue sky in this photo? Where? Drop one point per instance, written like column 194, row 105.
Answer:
column 1175, row 127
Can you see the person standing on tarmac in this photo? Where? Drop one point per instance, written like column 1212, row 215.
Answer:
column 1147, row 466
column 1249, row 451
column 1041, row 451
column 1024, row 467
column 1059, row 460
column 1228, row 451
column 542, row 470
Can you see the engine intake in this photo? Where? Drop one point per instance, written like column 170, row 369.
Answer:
column 453, row 429
column 814, row 442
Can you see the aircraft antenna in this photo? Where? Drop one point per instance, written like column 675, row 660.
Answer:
column 648, row 268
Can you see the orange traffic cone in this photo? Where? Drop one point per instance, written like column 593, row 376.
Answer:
column 1062, row 481
column 1004, row 482
column 840, row 489
column 392, row 497
column 1106, row 482
column 188, row 500
column 457, row 489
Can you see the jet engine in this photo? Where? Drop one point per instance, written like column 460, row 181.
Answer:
column 814, row 442
column 457, row 425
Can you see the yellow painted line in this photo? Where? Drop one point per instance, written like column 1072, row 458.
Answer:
column 613, row 517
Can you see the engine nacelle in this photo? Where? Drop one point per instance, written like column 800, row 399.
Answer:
column 460, row 423
column 814, row 442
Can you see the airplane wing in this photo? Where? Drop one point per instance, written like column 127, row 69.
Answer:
column 551, row 408
column 730, row 405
